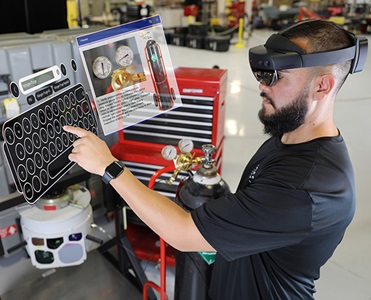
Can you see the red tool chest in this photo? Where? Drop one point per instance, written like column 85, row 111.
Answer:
column 201, row 118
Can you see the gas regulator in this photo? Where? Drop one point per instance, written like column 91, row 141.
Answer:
column 186, row 160
column 193, row 269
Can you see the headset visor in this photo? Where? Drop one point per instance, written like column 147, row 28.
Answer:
column 266, row 77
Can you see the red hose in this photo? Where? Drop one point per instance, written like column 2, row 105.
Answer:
column 162, row 288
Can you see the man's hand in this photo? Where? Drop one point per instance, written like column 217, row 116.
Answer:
column 89, row 151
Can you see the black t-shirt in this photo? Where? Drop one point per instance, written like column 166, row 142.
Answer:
column 289, row 213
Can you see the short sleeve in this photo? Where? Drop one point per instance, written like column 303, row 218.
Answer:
column 259, row 218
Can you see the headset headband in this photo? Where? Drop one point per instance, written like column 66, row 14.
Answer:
column 279, row 53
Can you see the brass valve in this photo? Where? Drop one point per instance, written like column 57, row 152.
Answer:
column 125, row 77
column 184, row 162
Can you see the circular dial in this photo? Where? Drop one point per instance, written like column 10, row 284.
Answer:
column 102, row 67
column 185, row 145
column 169, row 152
column 124, row 56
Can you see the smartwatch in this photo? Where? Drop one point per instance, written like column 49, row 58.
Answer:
column 113, row 171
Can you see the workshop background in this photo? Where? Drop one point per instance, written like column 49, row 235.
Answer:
column 208, row 42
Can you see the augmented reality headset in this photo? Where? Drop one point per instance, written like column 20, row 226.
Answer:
column 279, row 53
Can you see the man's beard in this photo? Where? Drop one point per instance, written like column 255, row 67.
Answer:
column 285, row 119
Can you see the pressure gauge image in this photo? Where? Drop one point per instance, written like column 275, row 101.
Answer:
column 102, row 67
column 169, row 152
column 185, row 145
column 124, row 56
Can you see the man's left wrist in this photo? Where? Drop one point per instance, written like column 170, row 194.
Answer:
column 112, row 171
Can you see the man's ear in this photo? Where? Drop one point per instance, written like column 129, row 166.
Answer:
column 324, row 86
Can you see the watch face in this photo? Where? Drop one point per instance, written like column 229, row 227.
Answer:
column 114, row 169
